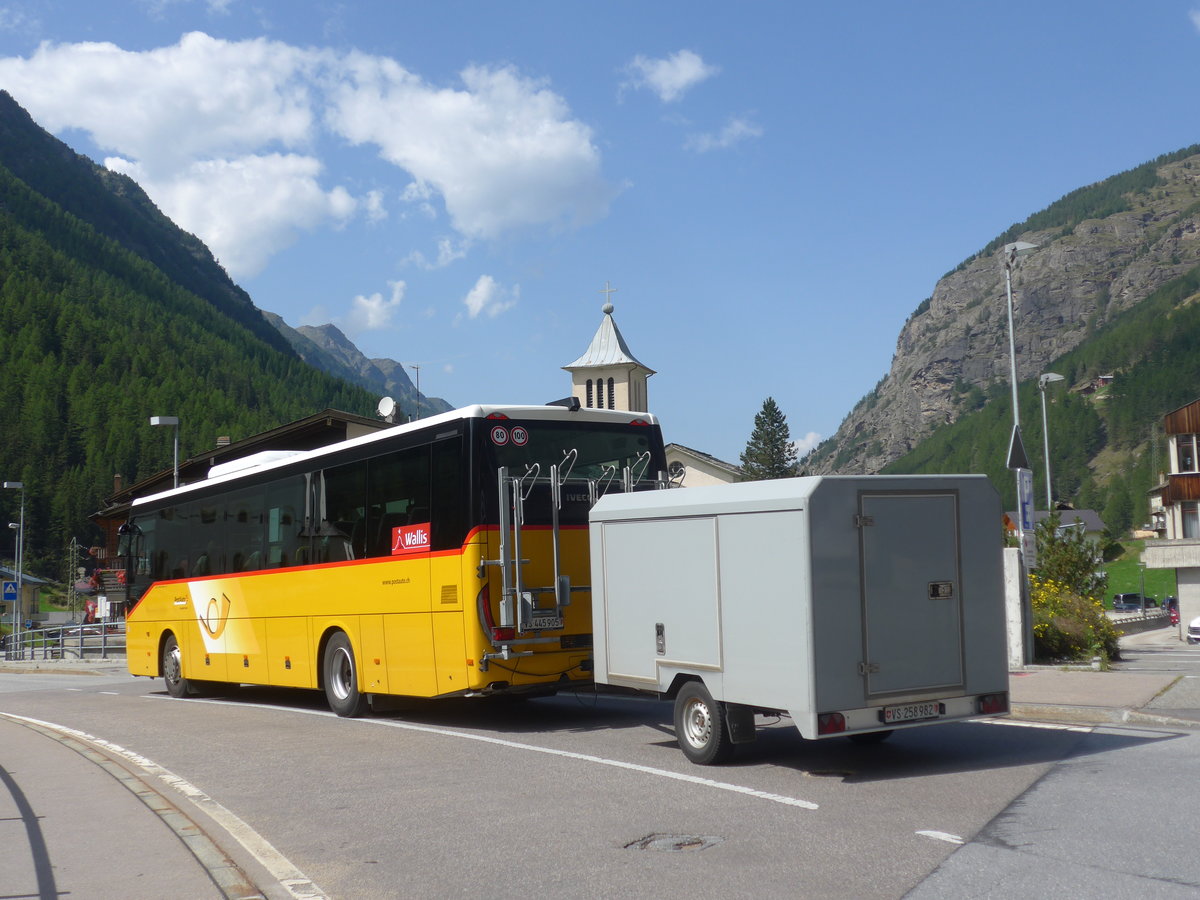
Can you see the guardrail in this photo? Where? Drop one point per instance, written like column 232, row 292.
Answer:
column 1137, row 622
column 102, row 640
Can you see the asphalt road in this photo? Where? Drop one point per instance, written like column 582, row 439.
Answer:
column 590, row 796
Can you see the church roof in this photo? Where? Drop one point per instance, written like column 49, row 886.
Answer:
column 608, row 348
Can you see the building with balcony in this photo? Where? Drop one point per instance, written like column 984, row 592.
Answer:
column 1175, row 509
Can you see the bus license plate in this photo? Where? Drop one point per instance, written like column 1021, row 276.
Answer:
column 911, row 712
column 540, row 623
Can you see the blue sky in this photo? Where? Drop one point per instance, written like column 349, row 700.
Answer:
column 772, row 188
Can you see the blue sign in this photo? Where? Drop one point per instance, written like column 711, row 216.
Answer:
column 10, row 592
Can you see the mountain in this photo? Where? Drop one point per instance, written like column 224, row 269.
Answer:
column 110, row 314
column 1102, row 250
column 328, row 349
column 116, row 207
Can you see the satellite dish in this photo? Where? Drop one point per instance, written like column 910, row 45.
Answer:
column 387, row 409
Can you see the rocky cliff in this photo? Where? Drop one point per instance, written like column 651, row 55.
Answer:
column 1086, row 270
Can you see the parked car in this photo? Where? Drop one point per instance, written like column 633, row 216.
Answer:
column 1194, row 632
column 1128, row 602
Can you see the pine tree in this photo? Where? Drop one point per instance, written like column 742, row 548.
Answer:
column 770, row 452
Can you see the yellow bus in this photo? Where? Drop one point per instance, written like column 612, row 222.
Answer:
column 445, row 557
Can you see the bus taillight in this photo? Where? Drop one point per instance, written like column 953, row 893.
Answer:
column 497, row 416
column 489, row 623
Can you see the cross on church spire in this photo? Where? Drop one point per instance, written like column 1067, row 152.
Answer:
column 607, row 290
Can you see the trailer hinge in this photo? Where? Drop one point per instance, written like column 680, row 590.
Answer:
column 863, row 521
column 868, row 668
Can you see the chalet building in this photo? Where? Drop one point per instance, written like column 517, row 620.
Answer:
column 609, row 376
column 1175, row 509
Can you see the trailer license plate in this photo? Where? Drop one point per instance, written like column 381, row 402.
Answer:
column 540, row 623
column 911, row 712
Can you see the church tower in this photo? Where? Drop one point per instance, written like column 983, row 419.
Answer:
column 608, row 376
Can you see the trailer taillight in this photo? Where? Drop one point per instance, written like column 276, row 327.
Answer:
column 497, row 416
column 993, row 704
column 831, row 723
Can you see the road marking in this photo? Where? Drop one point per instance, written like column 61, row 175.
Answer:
column 291, row 878
column 1048, row 726
column 549, row 751
column 941, row 836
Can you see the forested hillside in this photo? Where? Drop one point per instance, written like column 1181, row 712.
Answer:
column 1106, row 448
column 94, row 339
column 1102, row 250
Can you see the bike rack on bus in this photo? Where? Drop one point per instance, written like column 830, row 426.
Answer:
column 519, row 609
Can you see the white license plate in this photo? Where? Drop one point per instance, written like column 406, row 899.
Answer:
column 911, row 712
column 540, row 623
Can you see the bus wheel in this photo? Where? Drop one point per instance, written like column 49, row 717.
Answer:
column 341, row 678
column 172, row 669
column 700, row 725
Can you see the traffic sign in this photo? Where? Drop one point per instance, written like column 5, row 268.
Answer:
column 10, row 592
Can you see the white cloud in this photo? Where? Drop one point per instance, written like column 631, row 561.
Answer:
column 735, row 131
column 244, row 209
column 670, row 78
column 225, row 137
column 1194, row 15
column 373, row 204
column 487, row 297
column 374, row 312
column 502, row 152
column 805, row 445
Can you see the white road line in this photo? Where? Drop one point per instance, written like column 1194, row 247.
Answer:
column 941, row 836
column 1047, row 726
column 549, row 751
column 296, row 883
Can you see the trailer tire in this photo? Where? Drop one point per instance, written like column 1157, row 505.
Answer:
column 700, row 726
column 341, row 678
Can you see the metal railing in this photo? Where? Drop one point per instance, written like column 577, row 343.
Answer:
column 97, row 640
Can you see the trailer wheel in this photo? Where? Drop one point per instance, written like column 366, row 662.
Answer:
column 700, row 726
column 341, row 678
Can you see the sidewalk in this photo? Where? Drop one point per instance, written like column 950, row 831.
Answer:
column 1085, row 697
column 78, row 824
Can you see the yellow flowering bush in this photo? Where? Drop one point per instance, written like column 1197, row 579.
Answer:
column 1068, row 626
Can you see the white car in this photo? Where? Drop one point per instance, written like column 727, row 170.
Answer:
column 1194, row 631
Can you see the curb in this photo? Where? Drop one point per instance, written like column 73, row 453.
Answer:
column 1095, row 715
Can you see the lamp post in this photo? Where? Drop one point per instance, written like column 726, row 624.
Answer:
column 170, row 420
column 19, row 486
column 1045, row 379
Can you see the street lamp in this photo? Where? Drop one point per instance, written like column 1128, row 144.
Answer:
column 1045, row 379
column 170, row 420
column 19, row 486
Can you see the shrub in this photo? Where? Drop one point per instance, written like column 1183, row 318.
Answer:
column 1067, row 625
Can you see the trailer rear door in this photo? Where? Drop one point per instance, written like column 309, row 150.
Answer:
column 912, row 592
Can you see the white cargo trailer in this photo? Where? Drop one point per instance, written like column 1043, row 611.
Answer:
column 856, row 605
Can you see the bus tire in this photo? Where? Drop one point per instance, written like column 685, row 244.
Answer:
column 700, row 726
column 172, row 669
column 341, row 678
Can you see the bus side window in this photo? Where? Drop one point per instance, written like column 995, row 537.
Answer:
column 448, row 482
column 341, row 530
column 285, row 508
column 398, row 491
